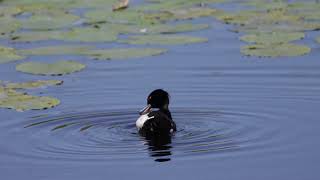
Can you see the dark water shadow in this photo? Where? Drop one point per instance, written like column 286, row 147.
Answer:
column 159, row 147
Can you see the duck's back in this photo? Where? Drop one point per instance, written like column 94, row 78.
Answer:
column 157, row 122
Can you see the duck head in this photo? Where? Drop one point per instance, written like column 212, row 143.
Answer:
column 157, row 99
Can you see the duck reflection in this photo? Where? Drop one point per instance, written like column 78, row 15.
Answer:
column 159, row 147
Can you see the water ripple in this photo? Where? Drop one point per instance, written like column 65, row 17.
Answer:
column 112, row 136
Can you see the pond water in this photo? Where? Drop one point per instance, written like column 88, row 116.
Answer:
column 238, row 117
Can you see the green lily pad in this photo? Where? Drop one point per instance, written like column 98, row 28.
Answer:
column 49, row 20
column 35, row 36
column 56, row 50
column 194, row 12
column 12, row 99
column 170, row 29
column 153, row 29
column 33, row 84
column 127, row 53
column 8, row 25
column 8, row 55
column 89, row 35
column 9, row 10
column 272, row 38
column 279, row 50
column 127, row 17
column 163, row 39
column 161, row 5
column 76, row 34
column 318, row 39
column 267, row 5
column 286, row 27
column 58, row 68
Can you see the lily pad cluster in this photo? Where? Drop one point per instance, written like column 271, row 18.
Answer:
column 20, row 101
column 271, row 26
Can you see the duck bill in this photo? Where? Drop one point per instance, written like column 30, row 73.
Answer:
column 145, row 110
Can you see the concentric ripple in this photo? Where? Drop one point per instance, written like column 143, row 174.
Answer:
column 112, row 135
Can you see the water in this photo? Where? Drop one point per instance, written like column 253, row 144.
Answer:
column 238, row 117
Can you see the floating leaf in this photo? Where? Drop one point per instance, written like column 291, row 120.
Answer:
column 8, row 54
column 35, row 36
column 12, row 99
column 191, row 13
column 272, row 38
column 168, row 29
column 162, row 5
column 56, row 50
column 49, row 20
column 122, row 4
column 318, row 39
column 127, row 17
column 89, row 35
column 58, row 68
column 164, row 39
column 8, row 25
column 275, row 50
column 76, row 34
column 127, row 53
column 33, row 84
column 153, row 29
column 9, row 10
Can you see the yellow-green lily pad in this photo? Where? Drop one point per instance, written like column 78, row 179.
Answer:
column 127, row 17
column 194, row 12
column 49, row 20
column 161, row 5
column 154, row 29
column 272, row 38
column 12, row 99
column 33, row 84
column 56, row 50
column 163, row 39
column 89, row 35
column 280, row 50
column 8, row 25
column 8, row 55
column 57, row 68
column 126, row 53
column 35, row 36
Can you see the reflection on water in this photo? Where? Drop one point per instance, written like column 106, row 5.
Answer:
column 159, row 147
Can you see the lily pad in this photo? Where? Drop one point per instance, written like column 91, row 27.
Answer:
column 56, row 50
column 170, row 29
column 318, row 39
column 35, row 36
column 153, row 29
column 33, row 84
column 89, row 35
column 161, row 5
column 272, row 38
column 127, row 53
column 12, row 99
column 280, row 50
column 8, row 25
column 194, row 12
column 58, row 68
column 122, row 4
column 163, row 39
column 8, row 55
column 49, row 20
column 127, row 17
